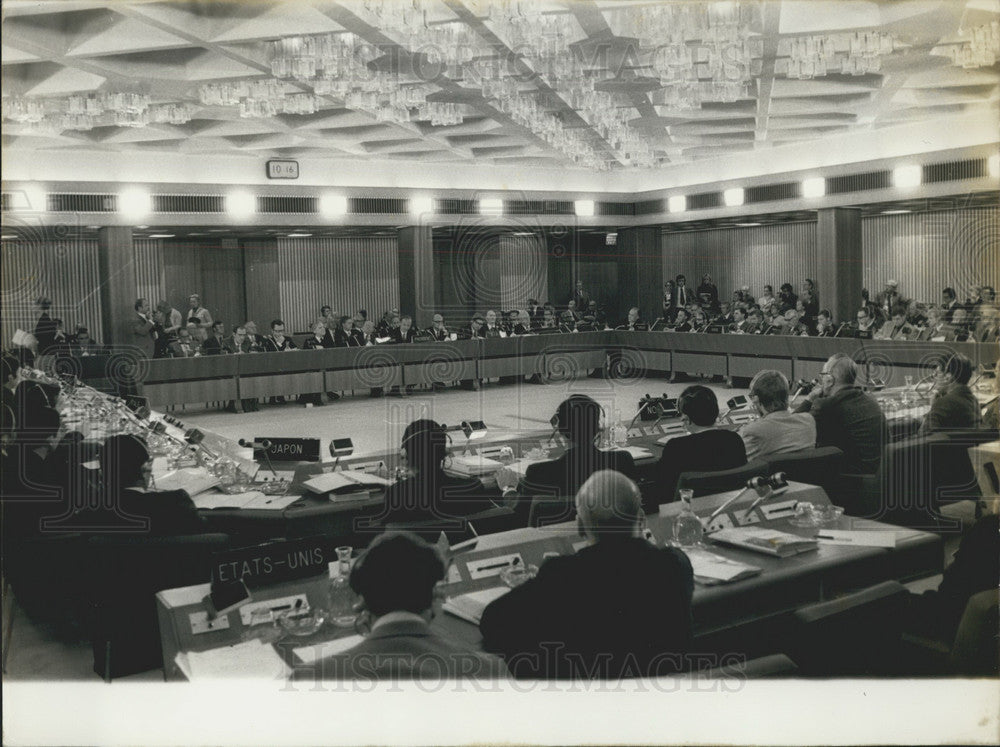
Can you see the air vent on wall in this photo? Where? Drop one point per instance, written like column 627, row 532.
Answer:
column 61, row 202
column 458, row 207
column 836, row 185
column 704, row 200
column 974, row 168
column 649, row 207
column 377, row 205
column 188, row 204
column 538, row 207
column 286, row 204
column 769, row 192
column 616, row 208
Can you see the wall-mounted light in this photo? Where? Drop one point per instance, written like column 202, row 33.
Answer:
column 241, row 204
column 814, row 187
column 135, row 203
column 333, row 206
column 584, row 208
column 677, row 204
column 733, row 197
column 421, row 206
column 491, row 206
column 907, row 177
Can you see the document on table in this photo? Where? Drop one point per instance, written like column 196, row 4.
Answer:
column 249, row 660
column 252, row 499
column 470, row 607
column 192, row 480
column 858, row 538
column 710, row 569
column 637, row 452
column 317, row 651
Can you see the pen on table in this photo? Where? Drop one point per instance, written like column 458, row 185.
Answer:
column 515, row 561
column 780, row 510
column 828, row 537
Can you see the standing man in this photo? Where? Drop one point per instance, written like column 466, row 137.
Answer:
column 199, row 321
column 45, row 328
column 172, row 318
column 142, row 328
column 682, row 294
column 581, row 296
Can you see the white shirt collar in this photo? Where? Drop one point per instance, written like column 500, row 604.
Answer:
column 397, row 616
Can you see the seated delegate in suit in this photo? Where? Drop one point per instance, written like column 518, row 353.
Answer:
column 633, row 323
column 706, row 448
column 846, row 417
column 184, row 346
column 437, row 330
column 320, row 339
column 777, row 431
column 344, row 336
column 213, row 343
column 404, row 332
column 954, row 405
column 238, row 343
column 395, row 578
column 620, row 607
column 125, row 474
column 428, row 494
column 277, row 342
column 578, row 419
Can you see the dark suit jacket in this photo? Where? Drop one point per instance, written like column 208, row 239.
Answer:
column 707, row 451
column 618, row 608
column 212, row 346
column 407, row 649
column 853, row 422
column 313, row 344
column 342, row 339
column 165, row 512
column 955, row 406
column 271, row 346
column 427, row 497
column 398, row 336
column 142, row 336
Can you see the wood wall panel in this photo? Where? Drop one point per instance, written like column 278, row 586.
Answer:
column 149, row 279
column 66, row 271
column 260, row 262
column 927, row 251
column 344, row 273
column 523, row 270
column 753, row 256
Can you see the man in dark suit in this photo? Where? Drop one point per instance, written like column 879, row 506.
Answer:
column 888, row 298
column 619, row 608
column 277, row 342
column 846, row 417
column 578, row 419
column 437, row 330
column 492, row 329
column 142, row 328
column 580, row 296
column 682, row 294
column 950, row 304
column 954, row 405
column 395, row 579
column 404, row 332
column 706, row 449
column 213, row 343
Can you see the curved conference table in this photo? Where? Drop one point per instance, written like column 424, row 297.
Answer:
column 178, row 381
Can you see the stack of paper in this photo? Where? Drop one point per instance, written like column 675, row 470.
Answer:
column 326, row 649
column 192, row 480
column 249, row 660
column 859, row 538
column 710, row 568
column 345, row 481
column 252, row 499
column 474, row 465
column 470, row 606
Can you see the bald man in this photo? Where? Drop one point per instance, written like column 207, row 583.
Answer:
column 618, row 608
column 846, row 417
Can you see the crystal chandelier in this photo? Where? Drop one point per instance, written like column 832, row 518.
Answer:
column 849, row 54
column 980, row 50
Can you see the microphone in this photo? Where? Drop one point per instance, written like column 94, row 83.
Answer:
column 925, row 379
column 263, row 444
column 803, row 387
column 757, row 484
column 769, row 486
column 643, row 404
column 196, row 438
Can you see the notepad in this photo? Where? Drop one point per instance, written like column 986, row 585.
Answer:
column 252, row 499
column 767, row 541
column 710, row 569
column 249, row 660
column 192, row 480
column 858, row 538
column 317, row 651
column 470, row 607
column 474, row 465
column 345, row 481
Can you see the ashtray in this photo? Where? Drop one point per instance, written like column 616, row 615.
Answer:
column 302, row 624
column 827, row 516
column 273, row 487
column 516, row 575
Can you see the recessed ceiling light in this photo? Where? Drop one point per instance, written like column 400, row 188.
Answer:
column 161, row 235
column 134, row 203
column 584, row 208
column 815, row 187
column 333, row 206
column 906, row 177
column 298, row 235
column 748, row 225
column 733, row 197
column 895, row 212
column 677, row 204
column 8, row 236
column 241, row 204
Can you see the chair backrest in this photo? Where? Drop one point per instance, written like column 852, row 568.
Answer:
column 546, row 511
column 820, row 466
column 921, row 474
column 855, row 635
column 708, row 483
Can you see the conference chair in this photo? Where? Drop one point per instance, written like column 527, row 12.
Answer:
column 709, row 483
column 820, row 466
column 857, row 635
column 917, row 477
column 124, row 575
column 545, row 511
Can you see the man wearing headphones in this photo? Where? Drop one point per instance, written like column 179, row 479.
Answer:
column 430, row 495
column 578, row 419
column 395, row 578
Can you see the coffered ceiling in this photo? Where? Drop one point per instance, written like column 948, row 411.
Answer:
column 574, row 83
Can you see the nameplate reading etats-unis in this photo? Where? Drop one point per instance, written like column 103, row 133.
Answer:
column 273, row 562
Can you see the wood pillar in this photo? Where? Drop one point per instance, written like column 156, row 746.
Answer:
column 640, row 272
column 415, row 248
column 119, row 290
column 839, row 261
